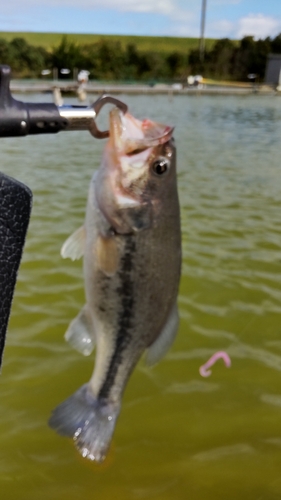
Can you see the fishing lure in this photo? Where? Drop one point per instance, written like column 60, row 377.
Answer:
column 204, row 369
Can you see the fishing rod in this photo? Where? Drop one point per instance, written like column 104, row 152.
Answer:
column 19, row 119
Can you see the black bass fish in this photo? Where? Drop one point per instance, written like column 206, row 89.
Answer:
column 131, row 243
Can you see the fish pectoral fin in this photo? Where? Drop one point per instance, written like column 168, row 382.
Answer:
column 74, row 246
column 80, row 333
column 107, row 254
column 165, row 339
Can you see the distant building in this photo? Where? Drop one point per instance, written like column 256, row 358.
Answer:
column 273, row 69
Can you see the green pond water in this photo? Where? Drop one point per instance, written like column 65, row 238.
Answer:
column 179, row 436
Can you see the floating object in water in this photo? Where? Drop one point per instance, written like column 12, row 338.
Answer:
column 131, row 244
column 204, row 369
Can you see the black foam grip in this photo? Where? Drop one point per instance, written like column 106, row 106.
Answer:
column 15, row 208
column 18, row 118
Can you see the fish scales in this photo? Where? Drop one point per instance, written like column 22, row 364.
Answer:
column 132, row 259
column 137, row 289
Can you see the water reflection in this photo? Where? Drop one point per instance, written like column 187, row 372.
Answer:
column 224, row 452
column 178, row 435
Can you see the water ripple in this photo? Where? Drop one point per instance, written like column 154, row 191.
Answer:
column 228, row 152
column 224, row 452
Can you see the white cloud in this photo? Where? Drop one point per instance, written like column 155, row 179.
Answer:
column 258, row 25
column 226, row 2
column 175, row 17
column 182, row 23
column 165, row 7
column 221, row 29
column 181, row 16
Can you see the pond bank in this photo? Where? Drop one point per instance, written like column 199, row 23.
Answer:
column 136, row 89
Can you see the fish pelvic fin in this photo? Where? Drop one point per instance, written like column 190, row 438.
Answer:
column 89, row 421
column 74, row 247
column 165, row 339
column 80, row 333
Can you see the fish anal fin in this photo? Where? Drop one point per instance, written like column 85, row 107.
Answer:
column 107, row 254
column 165, row 339
column 74, row 246
column 80, row 333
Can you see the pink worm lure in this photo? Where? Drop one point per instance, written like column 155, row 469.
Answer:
column 204, row 369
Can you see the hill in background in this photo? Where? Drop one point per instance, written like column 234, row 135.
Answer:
column 136, row 58
column 161, row 44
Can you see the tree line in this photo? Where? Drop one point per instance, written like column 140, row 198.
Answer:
column 109, row 60
column 229, row 60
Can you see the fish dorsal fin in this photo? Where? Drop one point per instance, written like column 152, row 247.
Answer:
column 165, row 339
column 80, row 333
column 107, row 254
column 74, row 246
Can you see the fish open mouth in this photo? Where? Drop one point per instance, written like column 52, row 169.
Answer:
column 131, row 135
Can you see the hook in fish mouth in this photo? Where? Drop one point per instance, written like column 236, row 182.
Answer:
column 132, row 136
column 97, row 106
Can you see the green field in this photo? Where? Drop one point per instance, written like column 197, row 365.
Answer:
column 161, row 44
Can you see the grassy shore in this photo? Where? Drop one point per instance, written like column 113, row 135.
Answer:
column 164, row 45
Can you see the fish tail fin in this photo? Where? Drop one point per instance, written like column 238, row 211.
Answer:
column 88, row 420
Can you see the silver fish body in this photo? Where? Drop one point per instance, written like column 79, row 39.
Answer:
column 131, row 243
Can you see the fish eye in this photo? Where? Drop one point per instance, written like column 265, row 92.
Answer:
column 160, row 166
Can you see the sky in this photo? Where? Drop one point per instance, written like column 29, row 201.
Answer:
column 224, row 18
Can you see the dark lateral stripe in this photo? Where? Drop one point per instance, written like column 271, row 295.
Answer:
column 126, row 293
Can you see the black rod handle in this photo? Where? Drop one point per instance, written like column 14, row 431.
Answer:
column 19, row 119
